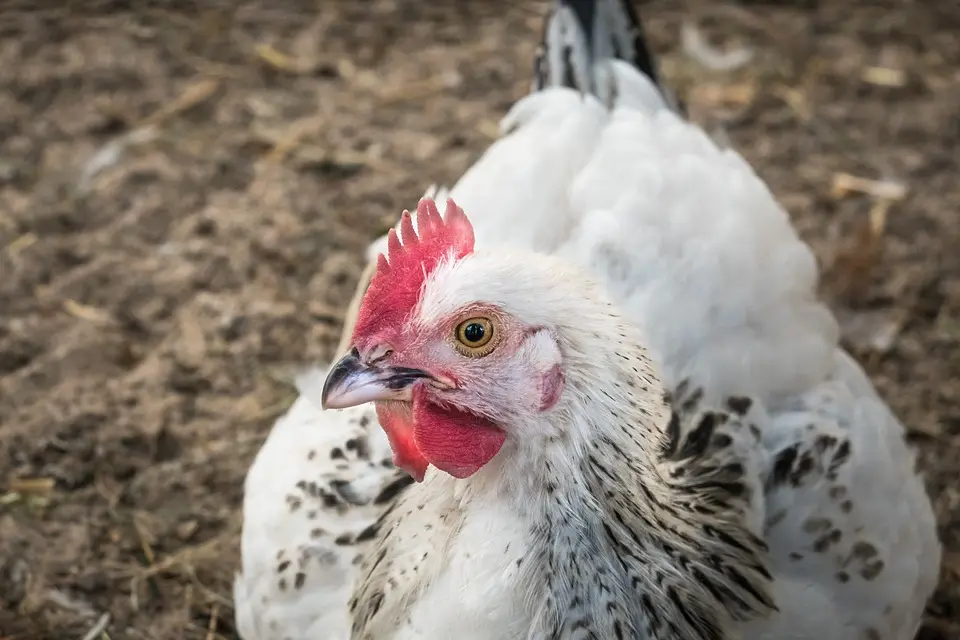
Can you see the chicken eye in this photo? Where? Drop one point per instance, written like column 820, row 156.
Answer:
column 474, row 337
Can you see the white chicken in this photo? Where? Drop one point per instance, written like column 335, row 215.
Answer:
column 651, row 434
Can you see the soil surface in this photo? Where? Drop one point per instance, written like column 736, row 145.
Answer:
column 186, row 189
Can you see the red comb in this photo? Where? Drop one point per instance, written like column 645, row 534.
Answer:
column 395, row 288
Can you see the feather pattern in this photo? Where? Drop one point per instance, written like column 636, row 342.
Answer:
column 310, row 497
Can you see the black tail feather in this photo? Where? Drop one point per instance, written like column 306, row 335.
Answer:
column 577, row 33
column 642, row 58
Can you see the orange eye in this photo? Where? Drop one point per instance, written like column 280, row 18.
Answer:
column 474, row 337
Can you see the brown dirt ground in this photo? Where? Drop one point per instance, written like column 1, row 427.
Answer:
column 182, row 213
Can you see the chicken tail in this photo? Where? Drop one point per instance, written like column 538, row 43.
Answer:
column 581, row 37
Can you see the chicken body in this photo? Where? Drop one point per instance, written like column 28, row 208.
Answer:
column 714, row 286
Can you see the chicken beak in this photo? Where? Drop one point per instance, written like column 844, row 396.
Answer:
column 351, row 382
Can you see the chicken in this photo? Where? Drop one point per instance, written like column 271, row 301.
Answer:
column 651, row 433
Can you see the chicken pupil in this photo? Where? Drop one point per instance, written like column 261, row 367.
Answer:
column 474, row 332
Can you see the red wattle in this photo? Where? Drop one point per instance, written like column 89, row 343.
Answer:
column 397, row 421
column 456, row 442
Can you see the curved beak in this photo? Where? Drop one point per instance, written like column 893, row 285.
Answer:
column 352, row 382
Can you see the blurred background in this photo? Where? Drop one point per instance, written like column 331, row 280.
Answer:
column 187, row 187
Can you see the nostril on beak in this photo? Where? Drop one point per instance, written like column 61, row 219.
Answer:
column 378, row 353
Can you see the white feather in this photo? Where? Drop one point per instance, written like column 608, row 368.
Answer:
column 289, row 530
